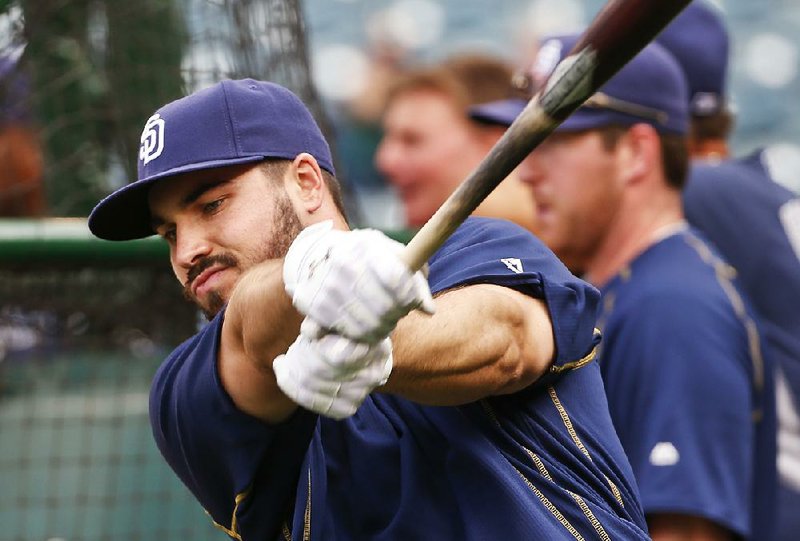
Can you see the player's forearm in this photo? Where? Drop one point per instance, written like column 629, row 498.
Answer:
column 260, row 324
column 676, row 527
column 263, row 313
column 483, row 340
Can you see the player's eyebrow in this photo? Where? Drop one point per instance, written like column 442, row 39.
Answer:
column 198, row 192
column 191, row 197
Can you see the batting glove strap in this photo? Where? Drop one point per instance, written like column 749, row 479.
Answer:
column 307, row 252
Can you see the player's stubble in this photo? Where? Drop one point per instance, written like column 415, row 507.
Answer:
column 286, row 227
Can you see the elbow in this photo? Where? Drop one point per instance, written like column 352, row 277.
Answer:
column 517, row 368
column 515, row 371
column 526, row 346
column 523, row 359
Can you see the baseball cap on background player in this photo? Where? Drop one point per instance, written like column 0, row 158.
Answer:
column 698, row 40
column 229, row 123
column 649, row 89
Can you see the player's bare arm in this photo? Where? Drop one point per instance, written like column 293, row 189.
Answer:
column 454, row 357
column 260, row 323
column 675, row 527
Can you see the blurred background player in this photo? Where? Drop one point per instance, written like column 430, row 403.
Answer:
column 21, row 162
column 430, row 145
column 689, row 390
column 753, row 221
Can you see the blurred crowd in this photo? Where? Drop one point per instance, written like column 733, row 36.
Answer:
column 358, row 47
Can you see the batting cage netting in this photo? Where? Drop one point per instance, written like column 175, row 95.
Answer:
column 84, row 323
column 82, row 76
column 83, row 326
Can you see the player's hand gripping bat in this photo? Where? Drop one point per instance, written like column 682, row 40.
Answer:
column 615, row 36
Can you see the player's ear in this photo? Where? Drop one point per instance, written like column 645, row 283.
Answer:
column 640, row 152
column 306, row 182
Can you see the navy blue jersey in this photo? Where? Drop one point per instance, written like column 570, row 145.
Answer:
column 689, row 389
column 544, row 463
column 753, row 222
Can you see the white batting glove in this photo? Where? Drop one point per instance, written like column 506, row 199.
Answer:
column 332, row 375
column 352, row 283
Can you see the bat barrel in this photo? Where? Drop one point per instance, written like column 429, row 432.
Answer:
column 617, row 34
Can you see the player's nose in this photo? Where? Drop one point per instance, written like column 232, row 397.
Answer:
column 529, row 171
column 388, row 157
column 189, row 247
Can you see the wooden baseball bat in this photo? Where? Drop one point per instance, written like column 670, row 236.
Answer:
column 615, row 36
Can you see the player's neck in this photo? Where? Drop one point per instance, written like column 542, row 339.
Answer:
column 636, row 229
column 709, row 149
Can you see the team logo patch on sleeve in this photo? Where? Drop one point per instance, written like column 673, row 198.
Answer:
column 514, row 264
column 664, row 453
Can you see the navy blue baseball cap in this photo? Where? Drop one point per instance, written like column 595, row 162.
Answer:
column 698, row 40
column 649, row 89
column 230, row 123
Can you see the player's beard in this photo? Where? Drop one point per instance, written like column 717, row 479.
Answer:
column 286, row 227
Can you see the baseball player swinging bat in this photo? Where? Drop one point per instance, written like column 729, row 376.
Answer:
column 615, row 36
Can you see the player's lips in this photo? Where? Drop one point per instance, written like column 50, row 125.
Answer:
column 542, row 208
column 206, row 279
column 406, row 191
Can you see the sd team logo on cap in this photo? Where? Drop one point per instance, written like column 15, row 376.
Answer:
column 152, row 139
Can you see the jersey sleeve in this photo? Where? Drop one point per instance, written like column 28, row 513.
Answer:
column 217, row 450
column 680, row 393
column 488, row 251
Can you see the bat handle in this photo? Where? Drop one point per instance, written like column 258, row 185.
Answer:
column 413, row 253
column 425, row 243
column 418, row 250
column 525, row 133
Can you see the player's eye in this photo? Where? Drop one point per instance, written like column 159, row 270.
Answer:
column 212, row 206
column 169, row 234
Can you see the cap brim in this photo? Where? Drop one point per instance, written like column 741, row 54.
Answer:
column 501, row 112
column 125, row 213
column 584, row 118
column 506, row 111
